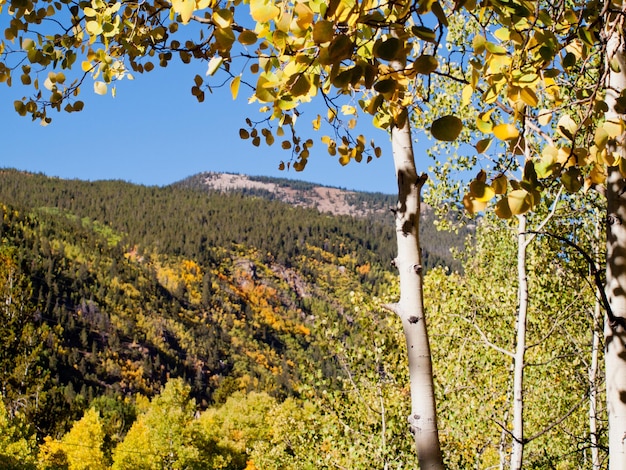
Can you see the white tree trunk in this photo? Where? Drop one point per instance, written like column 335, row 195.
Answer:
column 596, row 331
column 593, row 387
column 615, row 334
column 410, row 308
column 517, row 452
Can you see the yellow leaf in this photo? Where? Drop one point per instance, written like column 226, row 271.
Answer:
column 499, row 184
column 263, row 92
column 503, row 34
column 340, row 48
column 223, row 18
column 317, row 123
column 466, row 95
column 439, row 13
column 481, row 191
column 100, row 88
column 348, row 110
column 613, row 128
column 519, row 201
column 234, row 86
column 263, row 11
column 387, row 49
column 506, row 131
column 503, row 210
column 305, row 15
column 601, row 137
column 544, row 117
column 224, row 38
column 472, row 205
column 323, row 31
column 184, row 8
column 482, row 145
column 48, row 84
column 94, row 28
column 567, row 126
column 478, row 43
column 571, row 180
column 214, row 65
column 597, row 175
column 424, row 33
column 28, row 44
column 484, row 124
column 529, row 97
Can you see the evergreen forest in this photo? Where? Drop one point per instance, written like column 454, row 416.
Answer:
column 178, row 328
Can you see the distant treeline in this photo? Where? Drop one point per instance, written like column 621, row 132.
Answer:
column 436, row 244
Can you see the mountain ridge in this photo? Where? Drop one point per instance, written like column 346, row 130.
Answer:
column 326, row 199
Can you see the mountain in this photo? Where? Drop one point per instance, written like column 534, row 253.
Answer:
column 112, row 288
column 326, row 199
column 437, row 245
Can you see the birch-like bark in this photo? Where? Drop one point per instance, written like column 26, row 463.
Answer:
column 615, row 334
column 593, row 387
column 410, row 308
column 596, row 331
column 517, row 452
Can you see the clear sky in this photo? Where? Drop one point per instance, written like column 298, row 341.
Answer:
column 155, row 133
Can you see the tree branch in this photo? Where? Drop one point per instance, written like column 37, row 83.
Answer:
column 614, row 322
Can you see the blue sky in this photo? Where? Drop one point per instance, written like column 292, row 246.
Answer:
column 155, row 132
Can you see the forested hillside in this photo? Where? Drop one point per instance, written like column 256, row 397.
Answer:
column 373, row 207
column 146, row 327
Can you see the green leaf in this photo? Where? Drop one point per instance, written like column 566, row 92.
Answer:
column 482, row 145
column 343, row 78
column 20, row 107
column 439, row 13
column 340, row 48
column 423, row 33
column 495, row 49
column 499, row 184
column 385, row 86
column 323, row 31
column 502, row 209
column 571, row 180
column 425, row 64
column 247, row 37
column 446, row 128
column 301, row 86
column 388, row 49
